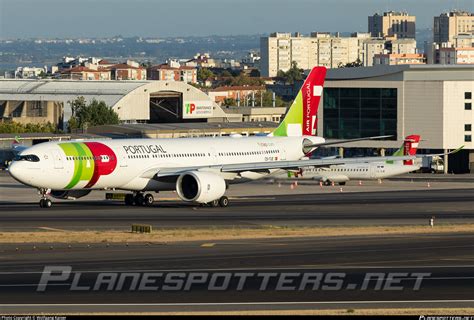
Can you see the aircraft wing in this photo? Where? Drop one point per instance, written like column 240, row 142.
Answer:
column 259, row 166
column 323, row 144
column 266, row 166
column 439, row 154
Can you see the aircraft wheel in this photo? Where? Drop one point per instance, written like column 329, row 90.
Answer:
column 224, row 201
column 214, row 203
column 327, row 183
column 129, row 199
column 139, row 200
column 148, row 199
column 45, row 203
column 342, row 183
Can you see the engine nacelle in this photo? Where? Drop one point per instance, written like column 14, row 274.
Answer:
column 200, row 186
column 69, row 194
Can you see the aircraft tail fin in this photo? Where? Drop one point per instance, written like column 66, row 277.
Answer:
column 302, row 117
column 408, row 148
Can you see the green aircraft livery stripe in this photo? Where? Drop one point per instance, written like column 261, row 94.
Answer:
column 83, row 162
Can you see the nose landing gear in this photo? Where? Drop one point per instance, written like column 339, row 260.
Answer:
column 44, row 202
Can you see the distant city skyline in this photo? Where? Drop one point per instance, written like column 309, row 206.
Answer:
column 174, row 18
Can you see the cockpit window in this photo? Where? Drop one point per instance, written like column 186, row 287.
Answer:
column 27, row 157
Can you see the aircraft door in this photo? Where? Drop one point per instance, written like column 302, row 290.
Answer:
column 372, row 173
column 58, row 159
column 214, row 156
column 123, row 163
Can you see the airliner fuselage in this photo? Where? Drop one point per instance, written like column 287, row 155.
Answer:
column 124, row 163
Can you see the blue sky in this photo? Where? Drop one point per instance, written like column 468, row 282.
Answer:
column 160, row 18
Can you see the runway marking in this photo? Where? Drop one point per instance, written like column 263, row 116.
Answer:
column 207, row 245
column 251, row 198
column 52, row 229
column 365, row 280
column 254, row 268
column 378, row 261
column 231, row 303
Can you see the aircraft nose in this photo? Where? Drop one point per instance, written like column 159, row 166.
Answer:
column 17, row 172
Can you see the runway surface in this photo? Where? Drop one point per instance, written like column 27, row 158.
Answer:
column 446, row 260
column 354, row 208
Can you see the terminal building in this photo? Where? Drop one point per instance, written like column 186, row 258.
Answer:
column 434, row 101
column 134, row 101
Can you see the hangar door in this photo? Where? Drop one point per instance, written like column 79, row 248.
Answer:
column 166, row 107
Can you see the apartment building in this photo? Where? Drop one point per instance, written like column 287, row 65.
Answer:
column 456, row 56
column 280, row 50
column 391, row 23
column 173, row 71
column 394, row 59
column 448, row 25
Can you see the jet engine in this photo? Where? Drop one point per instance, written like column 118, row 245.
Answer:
column 200, row 186
column 69, row 194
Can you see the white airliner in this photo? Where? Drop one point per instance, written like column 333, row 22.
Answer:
column 199, row 169
column 362, row 171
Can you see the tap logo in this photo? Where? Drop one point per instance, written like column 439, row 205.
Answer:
column 91, row 161
column 190, row 108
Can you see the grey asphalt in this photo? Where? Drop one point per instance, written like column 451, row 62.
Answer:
column 447, row 258
column 354, row 208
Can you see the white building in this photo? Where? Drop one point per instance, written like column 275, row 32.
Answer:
column 29, row 72
column 456, row 56
column 279, row 50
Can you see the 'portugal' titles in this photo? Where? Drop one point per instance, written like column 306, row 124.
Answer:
column 144, row 149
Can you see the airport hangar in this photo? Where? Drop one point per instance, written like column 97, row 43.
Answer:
column 35, row 101
column 434, row 101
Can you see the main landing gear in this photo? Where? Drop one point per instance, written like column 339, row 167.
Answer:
column 222, row 201
column 139, row 199
column 44, row 202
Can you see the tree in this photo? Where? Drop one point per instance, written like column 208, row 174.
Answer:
column 267, row 100
column 226, row 74
column 204, row 74
column 229, row 102
column 96, row 113
column 243, row 80
column 353, row 64
column 255, row 73
column 292, row 75
column 15, row 127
